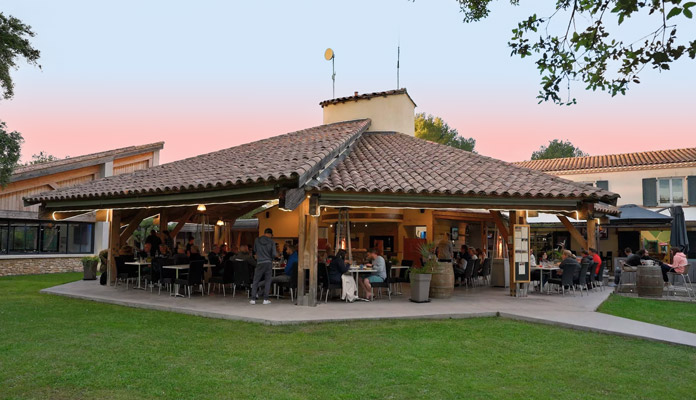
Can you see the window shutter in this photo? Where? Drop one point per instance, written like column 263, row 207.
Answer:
column 650, row 192
column 691, row 190
column 604, row 185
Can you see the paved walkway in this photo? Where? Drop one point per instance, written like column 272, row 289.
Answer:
column 571, row 312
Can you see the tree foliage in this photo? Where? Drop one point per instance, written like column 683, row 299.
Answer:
column 14, row 44
column 10, row 148
column 436, row 130
column 584, row 50
column 41, row 158
column 557, row 149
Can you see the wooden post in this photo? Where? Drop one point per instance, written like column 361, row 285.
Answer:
column 591, row 233
column 308, row 230
column 163, row 221
column 511, row 254
column 302, row 254
column 114, row 243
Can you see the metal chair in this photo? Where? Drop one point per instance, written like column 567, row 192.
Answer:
column 194, row 277
column 384, row 284
column 581, row 279
column 292, row 284
column 686, row 280
column 567, row 280
column 403, row 276
column 227, row 277
column 241, row 271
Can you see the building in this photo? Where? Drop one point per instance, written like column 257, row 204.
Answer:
column 363, row 165
column 652, row 180
column 30, row 244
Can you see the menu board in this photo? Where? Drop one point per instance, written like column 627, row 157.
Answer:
column 520, row 240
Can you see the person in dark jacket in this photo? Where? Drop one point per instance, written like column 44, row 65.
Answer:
column 338, row 267
column 265, row 250
column 154, row 242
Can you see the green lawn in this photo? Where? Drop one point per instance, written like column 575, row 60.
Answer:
column 61, row 348
column 673, row 314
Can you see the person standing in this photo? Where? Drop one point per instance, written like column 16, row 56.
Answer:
column 154, row 242
column 265, row 249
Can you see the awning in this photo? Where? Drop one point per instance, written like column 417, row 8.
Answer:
column 633, row 214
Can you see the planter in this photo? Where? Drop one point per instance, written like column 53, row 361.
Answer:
column 420, row 287
column 90, row 270
column 442, row 284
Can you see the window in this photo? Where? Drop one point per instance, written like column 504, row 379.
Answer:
column 31, row 237
column 670, row 191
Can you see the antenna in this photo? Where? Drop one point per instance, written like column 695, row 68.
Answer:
column 398, row 56
column 330, row 55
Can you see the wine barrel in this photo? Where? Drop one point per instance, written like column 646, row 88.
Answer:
column 649, row 281
column 442, row 282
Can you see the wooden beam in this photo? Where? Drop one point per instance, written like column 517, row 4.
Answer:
column 163, row 220
column 498, row 219
column 291, row 199
column 181, row 223
column 302, row 254
column 511, row 252
column 573, row 232
column 134, row 224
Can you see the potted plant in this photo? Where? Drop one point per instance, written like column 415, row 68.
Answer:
column 421, row 275
column 89, row 265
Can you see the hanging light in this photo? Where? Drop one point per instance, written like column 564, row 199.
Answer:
column 201, row 207
column 220, row 222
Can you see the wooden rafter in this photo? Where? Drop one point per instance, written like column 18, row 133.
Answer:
column 573, row 231
column 498, row 219
column 134, row 223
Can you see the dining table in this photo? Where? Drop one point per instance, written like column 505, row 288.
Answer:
column 356, row 271
column 140, row 265
column 545, row 268
column 177, row 267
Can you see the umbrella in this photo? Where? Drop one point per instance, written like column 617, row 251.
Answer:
column 678, row 237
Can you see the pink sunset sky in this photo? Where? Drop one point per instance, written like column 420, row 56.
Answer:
column 212, row 75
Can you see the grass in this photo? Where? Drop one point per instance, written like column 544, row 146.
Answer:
column 61, row 348
column 673, row 314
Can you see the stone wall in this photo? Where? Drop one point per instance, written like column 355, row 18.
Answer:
column 43, row 265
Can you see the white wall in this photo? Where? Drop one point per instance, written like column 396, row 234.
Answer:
column 393, row 113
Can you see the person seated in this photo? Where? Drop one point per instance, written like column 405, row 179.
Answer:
column 163, row 251
column 678, row 266
column 379, row 275
column 195, row 253
column 543, row 258
column 569, row 265
column 472, row 253
column 245, row 255
column 338, row 267
column 180, row 258
column 213, row 257
column 287, row 273
column 145, row 253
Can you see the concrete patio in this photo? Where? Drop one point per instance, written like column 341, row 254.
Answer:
column 574, row 312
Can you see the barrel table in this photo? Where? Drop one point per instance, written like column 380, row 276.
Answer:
column 442, row 282
column 649, row 281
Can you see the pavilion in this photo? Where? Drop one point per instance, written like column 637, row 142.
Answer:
column 364, row 160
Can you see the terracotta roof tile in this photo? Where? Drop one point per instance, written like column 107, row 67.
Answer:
column 646, row 158
column 365, row 96
column 398, row 163
column 278, row 158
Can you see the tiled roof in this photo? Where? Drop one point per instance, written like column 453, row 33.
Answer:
column 646, row 158
column 288, row 156
column 20, row 173
column 398, row 163
column 365, row 96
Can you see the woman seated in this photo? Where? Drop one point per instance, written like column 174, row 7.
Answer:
column 338, row 267
column 679, row 265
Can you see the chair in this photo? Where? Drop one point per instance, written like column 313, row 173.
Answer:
column 567, row 280
column 292, row 283
column 125, row 272
column 385, row 284
column 468, row 273
column 403, row 276
column 599, row 278
column 486, row 271
column 686, row 280
column 194, row 277
column 475, row 267
column 591, row 275
column 167, row 276
column 227, row 277
column 326, row 283
column 240, row 272
column 581, row 279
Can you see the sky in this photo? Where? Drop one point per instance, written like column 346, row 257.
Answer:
column 208, row 75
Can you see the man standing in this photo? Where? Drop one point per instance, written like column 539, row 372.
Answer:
column 265, row 250
column 154, row 242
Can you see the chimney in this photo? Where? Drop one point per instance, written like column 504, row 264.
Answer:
column 390, row 111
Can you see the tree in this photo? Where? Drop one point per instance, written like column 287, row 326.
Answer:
column 436, row 130
column 557, row 149
column 584, row 50
column 14, row 44
column 41, row 158
column 10, row 149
